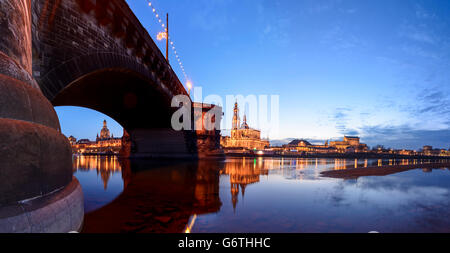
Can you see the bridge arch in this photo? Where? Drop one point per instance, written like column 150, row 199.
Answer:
column 59, row 77
column 96, row 54
column 137, row 104
column 115, row 85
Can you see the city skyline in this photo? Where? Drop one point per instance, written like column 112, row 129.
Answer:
column 255, row 116
column 273, row 143
column 336, row 70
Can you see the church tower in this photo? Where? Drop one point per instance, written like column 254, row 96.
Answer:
column 236, row 119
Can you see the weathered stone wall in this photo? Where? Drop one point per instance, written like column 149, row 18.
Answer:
column 29, row 126
column 60, row 212
column 15, row 28
column 168, row 143
column 208, row 141
column 35, row 158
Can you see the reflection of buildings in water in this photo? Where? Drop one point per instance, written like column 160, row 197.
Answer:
column 340, row 164
column 427, row 170
column 297, row 169
column 106, row 166
column 307, row 168
column 243, row 173
column 343, row 164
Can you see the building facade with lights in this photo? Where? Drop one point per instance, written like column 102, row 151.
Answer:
column 242, row 136
column 105, row 143
column 307, row 147
column 347, row 145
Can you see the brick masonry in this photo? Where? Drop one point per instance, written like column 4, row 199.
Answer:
column 73, row 38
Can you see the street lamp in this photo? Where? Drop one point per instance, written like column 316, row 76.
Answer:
column 189, row 86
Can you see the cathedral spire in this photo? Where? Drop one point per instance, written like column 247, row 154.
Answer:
column 236, row 118
column 244, row 123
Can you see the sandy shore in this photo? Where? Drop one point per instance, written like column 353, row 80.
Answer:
column 380, row 171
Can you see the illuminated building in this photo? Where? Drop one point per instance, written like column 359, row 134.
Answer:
column 104, row 133
column 349, row 144
column 406, row 152
column 430, row 151
column 72, row 140
column 305, row 146
column 104, row 143
column 242, row 136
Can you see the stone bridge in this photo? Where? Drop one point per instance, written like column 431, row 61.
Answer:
column 87, row 53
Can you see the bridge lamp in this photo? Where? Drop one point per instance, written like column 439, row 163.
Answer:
column 189, row 86
column 161, row 36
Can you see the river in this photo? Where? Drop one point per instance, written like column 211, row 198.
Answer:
column 259, row 195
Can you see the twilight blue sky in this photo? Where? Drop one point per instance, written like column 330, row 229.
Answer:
column 378, row 69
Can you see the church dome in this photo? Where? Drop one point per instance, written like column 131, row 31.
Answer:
column 299, row 143
column 104, row 133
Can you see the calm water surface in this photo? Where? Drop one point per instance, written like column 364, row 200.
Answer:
column 259, row 195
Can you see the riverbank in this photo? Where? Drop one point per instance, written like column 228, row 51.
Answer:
column 341, row 156
column 97, row 154
column 380, row 171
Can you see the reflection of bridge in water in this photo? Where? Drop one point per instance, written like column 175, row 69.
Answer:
column 158, row 197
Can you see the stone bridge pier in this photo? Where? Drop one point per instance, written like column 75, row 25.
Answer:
column 166, row 143
column 37, row 190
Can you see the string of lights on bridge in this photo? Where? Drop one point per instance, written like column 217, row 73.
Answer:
column 163, row 35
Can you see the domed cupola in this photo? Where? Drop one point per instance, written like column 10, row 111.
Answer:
column 104, row 133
